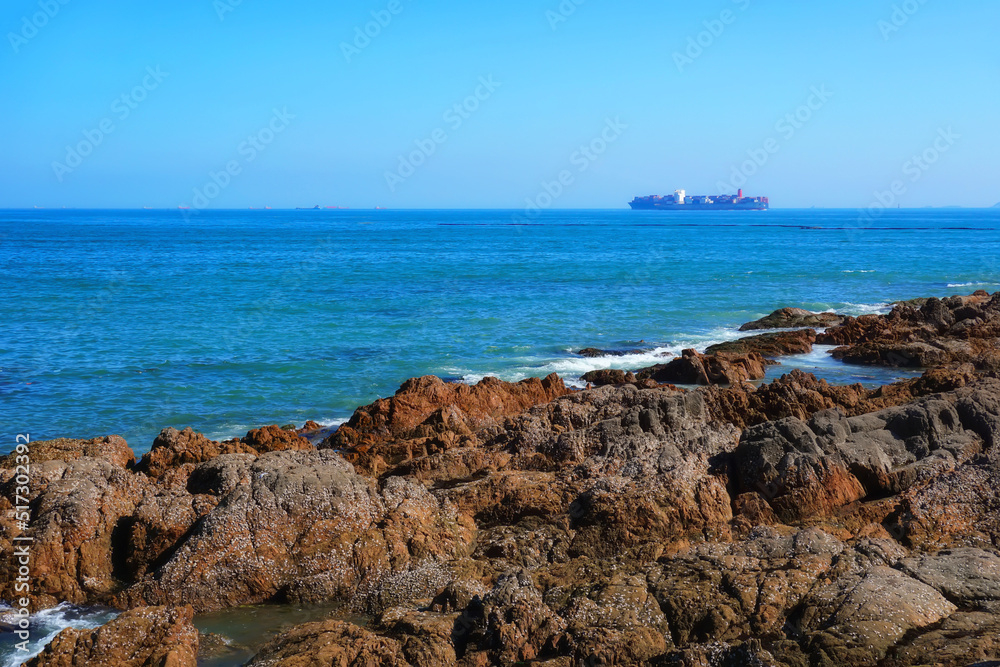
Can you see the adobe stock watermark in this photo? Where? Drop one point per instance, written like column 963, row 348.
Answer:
column 21, row 545
column 786, row 127
column 698, row 44
column 582, row 159
column 364, row 35
column 562, row 13
column 223, row 7
column 901, row 15
column 31, row 25
column 455, row 116
column 247, row 151
column 914, row 169
column 121, row 108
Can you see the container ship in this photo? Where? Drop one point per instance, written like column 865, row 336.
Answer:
column 679, row 201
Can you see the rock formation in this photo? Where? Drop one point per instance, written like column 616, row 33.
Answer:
column 428, row 415
column 793, row 318
column 794, row 523
column 959, row 329
column 706, row 369
column 146, row 637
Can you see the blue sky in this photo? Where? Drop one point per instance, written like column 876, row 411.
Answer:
column 270, row 93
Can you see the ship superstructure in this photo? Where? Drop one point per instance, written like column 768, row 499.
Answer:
column 680, row 201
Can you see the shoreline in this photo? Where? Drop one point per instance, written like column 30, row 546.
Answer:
column 228, row 375
column 520, row 513
column 571, row 367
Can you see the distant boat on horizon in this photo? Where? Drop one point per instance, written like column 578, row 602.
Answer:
column 680, row 201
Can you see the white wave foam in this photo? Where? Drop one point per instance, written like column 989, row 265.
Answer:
column 859, row 271
column 979, row 284
column 572, row 367
column 46, row 624
column 330, row 423
column 857, row 309
column 506, row 376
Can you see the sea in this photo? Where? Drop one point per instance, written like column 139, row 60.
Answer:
column 127, row 322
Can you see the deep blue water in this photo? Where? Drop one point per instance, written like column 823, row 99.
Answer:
column 129, row 321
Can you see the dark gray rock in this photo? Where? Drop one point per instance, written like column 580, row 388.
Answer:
column 809, row 467
column 966, row 576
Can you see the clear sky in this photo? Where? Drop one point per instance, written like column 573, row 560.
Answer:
column 303, row 111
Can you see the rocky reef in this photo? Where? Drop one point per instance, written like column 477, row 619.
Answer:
column 792, row 523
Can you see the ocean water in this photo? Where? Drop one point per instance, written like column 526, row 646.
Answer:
column 130, row 321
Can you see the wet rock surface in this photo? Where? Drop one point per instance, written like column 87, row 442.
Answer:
column 146, row 637
column 592, row 352
column 959, row 329
column 428, row 415
column 603, row 377
column 112, row 449
column 794, row 523
column 794, row 318
column 770, row 344
column 329, row 643
column 721, row 368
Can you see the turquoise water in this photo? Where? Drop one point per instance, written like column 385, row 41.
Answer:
column 129, row 321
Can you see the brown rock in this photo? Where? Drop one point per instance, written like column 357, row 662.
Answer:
column 723, row 592
column 482, row 404
column 76, row 508
column 769, row 345
column 966, row 576
column 799, row 394
column 333, row 643
column 956, row 509
column 111, row 448
column 625, row 467
column 428, row 415
column 932, row 332
column 519, row 625
column 304, row 526
column 274, row 439
column 425, row 638
column 698, row 369
column 610, row 376
column 161, row 519
column 857, row 619
column 812, row 468
column 904, row 354
column 750, row 652
column 173, row 448
column 962, row 639
column 145, row 637
column 793, row 318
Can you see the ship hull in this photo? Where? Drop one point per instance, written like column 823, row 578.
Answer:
column 669, row 206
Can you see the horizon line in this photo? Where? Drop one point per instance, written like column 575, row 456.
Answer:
column 338, row 209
